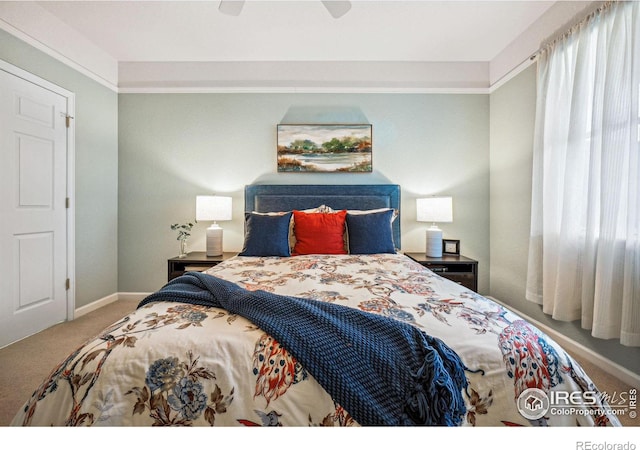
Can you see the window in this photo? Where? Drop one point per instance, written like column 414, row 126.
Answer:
column 584, row 251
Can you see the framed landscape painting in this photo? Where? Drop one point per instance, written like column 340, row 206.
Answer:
column 324, row 148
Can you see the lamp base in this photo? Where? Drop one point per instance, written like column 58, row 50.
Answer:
column 214, row 240
column 434, row 242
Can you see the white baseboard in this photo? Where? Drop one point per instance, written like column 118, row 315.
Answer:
column 612, row 368
column 86, row 309
column 137, row 296
column 104, row 301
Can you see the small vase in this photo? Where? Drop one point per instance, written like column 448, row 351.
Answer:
column 183, row 248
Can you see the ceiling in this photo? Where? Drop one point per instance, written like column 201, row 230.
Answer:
column 277, row 43
column 300, row 30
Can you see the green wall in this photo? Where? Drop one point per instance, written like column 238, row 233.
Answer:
column 176, row 146
column 96, row 168
column 512, row 117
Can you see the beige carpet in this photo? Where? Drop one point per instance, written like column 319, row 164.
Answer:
column 27, row 362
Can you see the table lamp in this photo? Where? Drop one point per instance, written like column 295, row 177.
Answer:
column 213, row 207
column 434, row 209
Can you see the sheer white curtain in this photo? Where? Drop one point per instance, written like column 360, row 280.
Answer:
column 584, row 250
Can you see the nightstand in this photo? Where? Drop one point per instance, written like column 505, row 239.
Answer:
column 194, row 262
column 457, row 268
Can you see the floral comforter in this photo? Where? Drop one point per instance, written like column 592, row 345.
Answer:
column 172, row 363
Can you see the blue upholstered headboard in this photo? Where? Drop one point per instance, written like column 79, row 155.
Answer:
column 287, row 197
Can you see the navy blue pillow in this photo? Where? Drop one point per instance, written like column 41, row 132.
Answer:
column 266, row 235
column 370, row 233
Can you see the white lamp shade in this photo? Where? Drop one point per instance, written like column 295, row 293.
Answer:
column 434, row 209
column 213, row 207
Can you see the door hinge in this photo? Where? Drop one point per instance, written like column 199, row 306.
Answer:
column 67, row 202
column 67, row 284
column 67, row 118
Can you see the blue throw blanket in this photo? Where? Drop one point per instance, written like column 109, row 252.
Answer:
column 380, row 370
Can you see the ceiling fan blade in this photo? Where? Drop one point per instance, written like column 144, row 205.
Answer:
column 231, row 7
column 337, row 8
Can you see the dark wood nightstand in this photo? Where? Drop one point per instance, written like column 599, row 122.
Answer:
column 457, row 268
column 194, row 261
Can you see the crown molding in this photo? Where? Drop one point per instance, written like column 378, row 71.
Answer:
column 517, row 55
column 37, row 27
column 300, row 90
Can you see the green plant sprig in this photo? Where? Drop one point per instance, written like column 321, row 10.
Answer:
column 183, row 229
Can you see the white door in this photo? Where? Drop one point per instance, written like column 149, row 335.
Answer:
column 33, row 223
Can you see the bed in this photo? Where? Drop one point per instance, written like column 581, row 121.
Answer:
column 319, row 321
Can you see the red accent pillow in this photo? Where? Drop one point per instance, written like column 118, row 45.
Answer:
column 319, row 233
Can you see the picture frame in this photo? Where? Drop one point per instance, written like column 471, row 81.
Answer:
column 451, row 246
column 329, row 148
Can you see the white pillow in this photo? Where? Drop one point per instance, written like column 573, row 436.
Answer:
column 369, row 211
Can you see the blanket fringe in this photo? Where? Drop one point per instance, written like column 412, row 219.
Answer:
column 437, row 398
